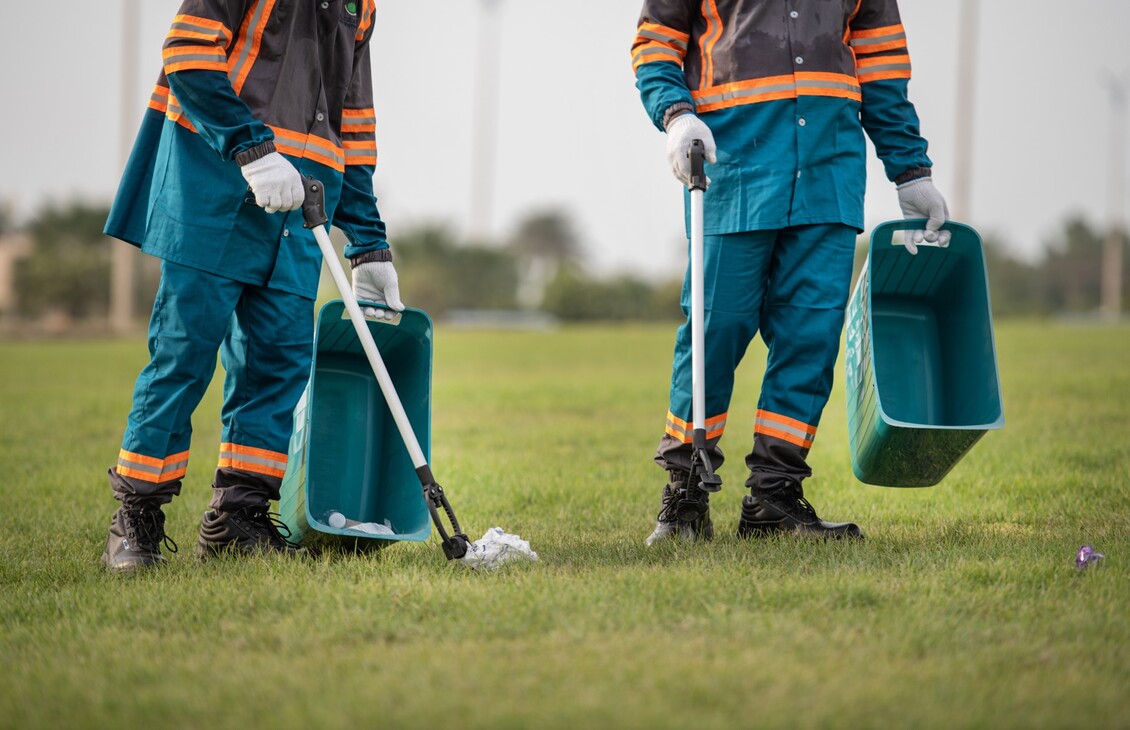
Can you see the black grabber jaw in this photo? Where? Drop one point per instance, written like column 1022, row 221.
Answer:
column 455, row 544
column 701, row 481
column 314, row 205
column 698, row 173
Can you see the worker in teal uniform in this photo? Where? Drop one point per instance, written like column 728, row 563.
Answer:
column 781, row 93
column 253, row 95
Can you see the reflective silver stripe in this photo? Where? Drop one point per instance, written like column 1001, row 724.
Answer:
column 325, row 150
column 661, row 51
column 252, row 459
column 359, row 121
column 237, row 68
column 154, row 470
column 366, row 152
column 880, row 39
column 186, row 57
column 742, row 93
column 202, row 30
column 843, row 85
column 672, row 426
column 864, row 70
column 778, row 426
column 653, row 35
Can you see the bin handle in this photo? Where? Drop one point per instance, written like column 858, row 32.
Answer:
column 883, row 235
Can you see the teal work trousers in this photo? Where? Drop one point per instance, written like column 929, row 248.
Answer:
column 791, row 286
column 264, row 338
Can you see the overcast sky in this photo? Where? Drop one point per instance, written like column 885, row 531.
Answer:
column 572, row 134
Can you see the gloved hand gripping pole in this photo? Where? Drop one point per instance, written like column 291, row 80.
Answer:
column 702, row 480
column 455, row 544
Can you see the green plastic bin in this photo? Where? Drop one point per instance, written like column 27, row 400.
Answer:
column 922, row 380
column 346, row 454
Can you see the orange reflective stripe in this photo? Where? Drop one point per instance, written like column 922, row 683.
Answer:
column 309, row 147
column 368, row 10
column 206, row 58
column 655, row 51
column 360, row 152
column 151, row 469
column 159, row 98
column 784, row 428
column 707, row 41
column 874, row 40
column 679, row 429
column 176, row 114
column 205, row 29
column 358, row 120
column 247, row 458
column 876, row 68
column 772, row 88
column 656, row 42
column 246, row 50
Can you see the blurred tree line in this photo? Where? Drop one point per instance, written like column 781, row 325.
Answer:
column 539, row 267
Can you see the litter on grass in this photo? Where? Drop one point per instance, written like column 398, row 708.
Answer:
column 496, row 548
column 1087, row 557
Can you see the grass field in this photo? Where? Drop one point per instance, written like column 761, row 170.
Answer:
column 962, row 608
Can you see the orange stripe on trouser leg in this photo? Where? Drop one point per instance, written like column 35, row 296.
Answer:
column 151, row 469
column 247, row 458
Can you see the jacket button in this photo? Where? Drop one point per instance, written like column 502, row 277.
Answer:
column 286, row 232
column 319, row 116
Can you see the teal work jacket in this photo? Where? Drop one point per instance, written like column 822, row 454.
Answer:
column 238, row 74
column 788, row 89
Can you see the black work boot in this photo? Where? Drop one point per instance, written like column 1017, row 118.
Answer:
column 136, row 534
column 247, row 531
column 669, row 524
column 784, row 509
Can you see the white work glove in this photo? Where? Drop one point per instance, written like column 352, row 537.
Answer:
column 376, row 281
column 920, row 199
column 681, row 131
column 275, row 182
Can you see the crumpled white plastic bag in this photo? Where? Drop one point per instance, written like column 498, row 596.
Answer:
column 497, row 547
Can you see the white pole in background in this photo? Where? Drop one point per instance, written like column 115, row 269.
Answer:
column 966, row 97
column 485, row 122
column 122, row 255
column 1110, row 302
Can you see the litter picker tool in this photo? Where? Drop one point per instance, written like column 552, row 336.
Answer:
column 702, row 480
column 454, row 542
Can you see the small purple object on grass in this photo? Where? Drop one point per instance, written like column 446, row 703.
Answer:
column 1087, row 556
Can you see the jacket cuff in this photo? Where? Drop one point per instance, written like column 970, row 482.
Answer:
column 677, row 109
column 913, row 173
column 257, row 152
column 381, row 254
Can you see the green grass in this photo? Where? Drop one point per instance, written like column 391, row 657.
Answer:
column 962, row 609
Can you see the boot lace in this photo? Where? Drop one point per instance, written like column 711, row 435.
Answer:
column 147, row 528
column 269, row 525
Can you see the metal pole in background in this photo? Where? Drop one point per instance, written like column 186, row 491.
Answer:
column 1110, row 301
column 122, row 256
column 485, row 122
column 966, row 97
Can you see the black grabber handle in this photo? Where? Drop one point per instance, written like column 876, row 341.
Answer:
column 697, row 155
column 314, row 205
column 455, row 543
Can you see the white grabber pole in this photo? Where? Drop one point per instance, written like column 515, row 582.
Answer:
column 455, row 544
column 703, row 480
